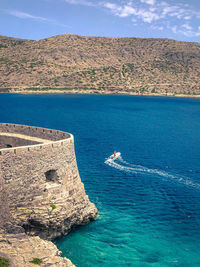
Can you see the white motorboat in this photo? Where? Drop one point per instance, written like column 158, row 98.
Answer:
column 115, row 155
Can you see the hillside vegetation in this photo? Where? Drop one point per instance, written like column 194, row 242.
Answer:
column 130, row 65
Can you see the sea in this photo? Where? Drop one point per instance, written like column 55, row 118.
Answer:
column 149, row 198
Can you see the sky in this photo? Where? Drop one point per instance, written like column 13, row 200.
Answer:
column 38, row 19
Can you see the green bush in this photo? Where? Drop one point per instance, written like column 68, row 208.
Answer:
column 53, row 206
column 3, row 46
column 36, row 261
column 4, row 262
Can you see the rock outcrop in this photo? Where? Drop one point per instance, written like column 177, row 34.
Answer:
column 20, row 249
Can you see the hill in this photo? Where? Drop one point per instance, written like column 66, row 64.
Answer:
column 101, row 64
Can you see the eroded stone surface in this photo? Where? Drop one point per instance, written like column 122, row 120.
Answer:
column 20, row 249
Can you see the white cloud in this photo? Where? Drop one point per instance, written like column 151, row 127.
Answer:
column 190, row 33
column 24, row 15
column 147, row 16
column 160, row 28
column 149, row 2
column 113, row 7
column 127, row 10
column 187, row 27
column 169, row 10
column 187, row 17
column 185, row 30
column 174, row 29
column 156, row 9
column 156, row 13
column 123, row 11
column 80, row 2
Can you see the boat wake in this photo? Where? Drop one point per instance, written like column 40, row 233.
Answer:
column 127, row 167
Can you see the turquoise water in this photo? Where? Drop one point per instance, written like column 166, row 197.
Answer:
column 149, row 199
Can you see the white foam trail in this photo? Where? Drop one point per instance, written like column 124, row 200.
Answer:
column 125, row 166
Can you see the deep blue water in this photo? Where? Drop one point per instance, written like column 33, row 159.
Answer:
column 149, row 200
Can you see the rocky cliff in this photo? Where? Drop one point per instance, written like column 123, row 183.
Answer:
column 98, row 64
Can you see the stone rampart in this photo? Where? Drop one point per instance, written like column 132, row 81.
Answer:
column 53, row 135
column 41, row 181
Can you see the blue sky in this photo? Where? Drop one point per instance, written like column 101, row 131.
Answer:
column 38, row 19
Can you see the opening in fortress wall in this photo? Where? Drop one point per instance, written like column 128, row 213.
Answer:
column 8, row 145
column 51, row 176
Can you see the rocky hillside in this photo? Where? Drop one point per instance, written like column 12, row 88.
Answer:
column 131, row 65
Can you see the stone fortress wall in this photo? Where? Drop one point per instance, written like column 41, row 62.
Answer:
column 40, row 180
column 7, row 130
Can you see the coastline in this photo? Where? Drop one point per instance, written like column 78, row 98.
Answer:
column 95, row 92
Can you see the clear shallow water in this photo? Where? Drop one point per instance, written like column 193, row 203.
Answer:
column 149, row 200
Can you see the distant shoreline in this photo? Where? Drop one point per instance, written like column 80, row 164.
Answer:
column 92, row 91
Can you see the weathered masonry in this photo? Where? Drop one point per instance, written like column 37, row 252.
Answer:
column 39, row 178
